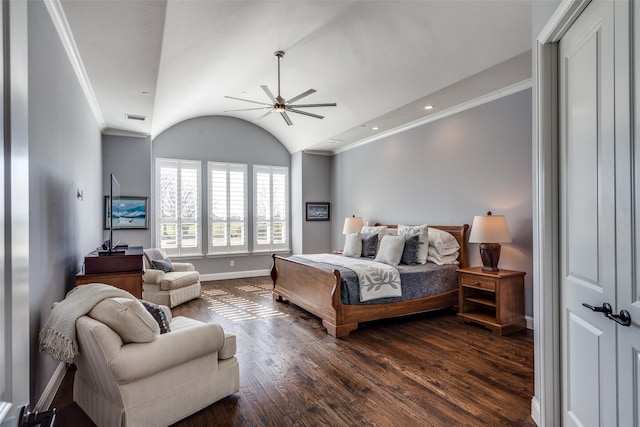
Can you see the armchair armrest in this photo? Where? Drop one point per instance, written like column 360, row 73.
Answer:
column 153, row 276
column 183, row 266
column 140, row 360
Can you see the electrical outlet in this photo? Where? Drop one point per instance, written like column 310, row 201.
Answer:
column 232, row 263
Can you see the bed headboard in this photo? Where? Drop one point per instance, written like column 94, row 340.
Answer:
column 457, row 231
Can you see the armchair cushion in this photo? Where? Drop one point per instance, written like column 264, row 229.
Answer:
column 159, row 315
column 133, row 362
column 128, row 318
column 178, row 279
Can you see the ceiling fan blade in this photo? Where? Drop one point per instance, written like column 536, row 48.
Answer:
column 249, row 109
column 302, row 95
column 305, row 113
column 264, row 115
column 269, row 94
column 286, row 118
column 248, row 100
column 331, row 104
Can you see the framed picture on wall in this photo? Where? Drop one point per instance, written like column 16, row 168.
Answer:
column 130, row 212
column 318, row 211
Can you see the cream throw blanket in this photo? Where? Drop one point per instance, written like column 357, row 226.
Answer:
column 58, row 336
column 376, row 280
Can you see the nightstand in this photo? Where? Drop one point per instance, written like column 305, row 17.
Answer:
column 492, row 299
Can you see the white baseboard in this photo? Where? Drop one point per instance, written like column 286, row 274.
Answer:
column 535, row 410
column 529, row 320
column 51, row 389
column 234, row 275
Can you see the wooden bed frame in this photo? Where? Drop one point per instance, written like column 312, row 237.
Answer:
column 317, row 290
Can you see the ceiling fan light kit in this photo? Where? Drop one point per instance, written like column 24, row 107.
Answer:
column 281, row 105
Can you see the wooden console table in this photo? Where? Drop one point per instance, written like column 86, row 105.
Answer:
column 123, row 271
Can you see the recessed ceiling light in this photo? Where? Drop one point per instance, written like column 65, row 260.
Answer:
column 135, row 117
column 429, row 107
column 145, row 93
column 375, row 128
column 335, row 141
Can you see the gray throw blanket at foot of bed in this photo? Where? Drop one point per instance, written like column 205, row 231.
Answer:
column 58, row 336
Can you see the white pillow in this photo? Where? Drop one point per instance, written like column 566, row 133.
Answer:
column 423, row 234
column 441, row 259
column 353, row 245
column 390, row 250
column 441, row 240
column 380, row 230
column 128, row 318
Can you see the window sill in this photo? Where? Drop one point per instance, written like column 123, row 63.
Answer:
column 271, row 251
column 228, row 254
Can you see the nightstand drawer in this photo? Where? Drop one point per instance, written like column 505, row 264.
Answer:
column 478, row 282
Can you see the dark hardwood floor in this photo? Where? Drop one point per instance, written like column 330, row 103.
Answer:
column 420, row 370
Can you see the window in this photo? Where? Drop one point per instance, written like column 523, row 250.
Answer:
column 227, row 207
column 271, row 223
column 178, row 204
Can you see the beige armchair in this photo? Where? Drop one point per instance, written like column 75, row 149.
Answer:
column 170, row 288
column 128, row 374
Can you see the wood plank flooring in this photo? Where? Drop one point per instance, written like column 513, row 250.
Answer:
column 420, row 370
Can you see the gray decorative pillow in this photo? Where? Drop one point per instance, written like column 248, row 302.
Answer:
column 163, row 264
column 352, row 245
column 410, row 253
column 423, row 232
column 159, row 315
column 390, row 251
column 369, row 245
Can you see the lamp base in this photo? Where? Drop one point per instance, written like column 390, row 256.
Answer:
column 490, row 254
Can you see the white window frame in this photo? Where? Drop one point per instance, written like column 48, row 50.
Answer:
column 270, row 245
column 179, row 220
column 228, row 221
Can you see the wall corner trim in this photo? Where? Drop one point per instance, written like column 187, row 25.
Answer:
column 66, row 37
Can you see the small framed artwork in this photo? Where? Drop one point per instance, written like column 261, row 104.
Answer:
column 129, row 213
column 318, row 211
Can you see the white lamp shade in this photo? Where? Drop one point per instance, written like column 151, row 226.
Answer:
column 489, row 229
column 352, row 224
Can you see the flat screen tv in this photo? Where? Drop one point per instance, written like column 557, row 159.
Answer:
column 110, row 246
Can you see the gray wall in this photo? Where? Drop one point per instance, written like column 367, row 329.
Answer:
column 311, row 183
column 223, row 139
column 64, row 155
column 129, row 159
column 444, row 173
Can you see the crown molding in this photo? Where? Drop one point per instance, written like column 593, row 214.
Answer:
column 484, row 99
column 66, row 37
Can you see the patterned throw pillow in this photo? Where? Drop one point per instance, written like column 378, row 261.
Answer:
column 410, row 253
column 423, row 232
column 159, row 315
column 163, row 264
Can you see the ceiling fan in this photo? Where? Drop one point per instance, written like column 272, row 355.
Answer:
column 281, row 105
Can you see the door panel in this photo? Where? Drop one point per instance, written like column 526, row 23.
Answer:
column 587, row 218
column 585, row 344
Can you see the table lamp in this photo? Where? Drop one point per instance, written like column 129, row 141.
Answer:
column 352, row 224
column 489, row 230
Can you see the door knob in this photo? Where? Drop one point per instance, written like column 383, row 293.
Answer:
column 624, row 318
column 606, row 308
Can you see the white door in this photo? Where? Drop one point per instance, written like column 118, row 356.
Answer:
column 628, row 221
column 587, row 218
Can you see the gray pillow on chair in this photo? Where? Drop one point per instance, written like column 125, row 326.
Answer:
column 163, row 264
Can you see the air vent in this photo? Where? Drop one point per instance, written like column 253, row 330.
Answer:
column 135, row 117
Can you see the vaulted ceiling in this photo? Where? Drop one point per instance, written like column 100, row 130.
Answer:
column 380, row 61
